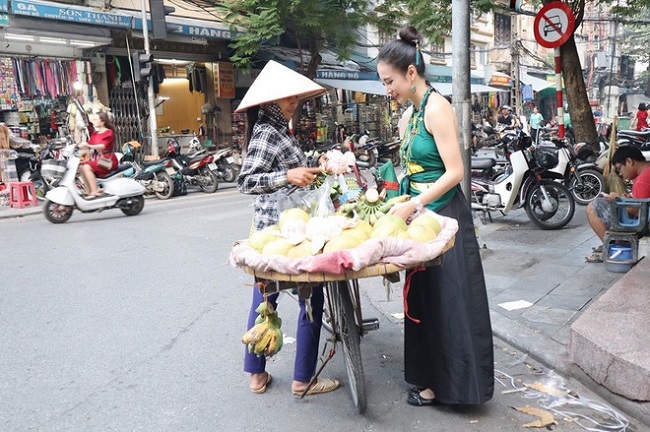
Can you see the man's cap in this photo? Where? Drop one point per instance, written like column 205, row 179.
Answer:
column 278, row 82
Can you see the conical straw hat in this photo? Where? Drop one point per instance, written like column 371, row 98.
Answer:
column 277, row 82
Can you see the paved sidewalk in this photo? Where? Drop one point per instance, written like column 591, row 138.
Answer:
column 8, row 212
column 548, row 270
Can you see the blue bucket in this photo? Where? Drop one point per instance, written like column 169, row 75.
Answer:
column 620, row 253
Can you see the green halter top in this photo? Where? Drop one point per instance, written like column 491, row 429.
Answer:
column 420, row 156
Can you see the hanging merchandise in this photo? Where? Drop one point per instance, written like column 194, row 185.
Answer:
column 48, row 78
column 197, row 77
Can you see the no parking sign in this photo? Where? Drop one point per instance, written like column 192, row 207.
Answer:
column 554, row 24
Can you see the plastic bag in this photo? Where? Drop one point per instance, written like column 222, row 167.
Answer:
column 316, row 202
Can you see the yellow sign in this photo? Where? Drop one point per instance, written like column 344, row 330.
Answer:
column 224, row 80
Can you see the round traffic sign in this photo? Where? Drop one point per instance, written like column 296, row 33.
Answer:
column 554, row 24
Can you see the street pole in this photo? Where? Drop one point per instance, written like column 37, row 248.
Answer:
column 153, row 125
column 461, row 85
column 558, row 93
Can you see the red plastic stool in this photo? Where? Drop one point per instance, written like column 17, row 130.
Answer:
column 22, row 194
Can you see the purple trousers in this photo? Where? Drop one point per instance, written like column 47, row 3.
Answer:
column 307, row 336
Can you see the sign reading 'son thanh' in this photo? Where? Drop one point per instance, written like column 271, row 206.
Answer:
column 64, row 12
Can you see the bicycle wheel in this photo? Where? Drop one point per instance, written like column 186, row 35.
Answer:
column 348, row 333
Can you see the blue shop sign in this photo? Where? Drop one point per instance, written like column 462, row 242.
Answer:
column 346, row 75
column 186, row 27
column 63, row 12
column 4, row 9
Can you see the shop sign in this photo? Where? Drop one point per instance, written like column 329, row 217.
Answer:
column 501, row 81
column 4, row 16
column 224, row 80
column 180, row 26
column 346, row 75
column 57, row 11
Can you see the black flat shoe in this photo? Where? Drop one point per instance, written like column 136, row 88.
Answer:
column 415, row 399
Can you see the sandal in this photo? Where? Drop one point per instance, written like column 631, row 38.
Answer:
column 597, row 249
column 322, row 385
column 594, row 258
column 262, row 389
column 415, row 398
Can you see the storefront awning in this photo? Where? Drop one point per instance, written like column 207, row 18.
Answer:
column 364, row 86
column 445, row 88
column 537, row 83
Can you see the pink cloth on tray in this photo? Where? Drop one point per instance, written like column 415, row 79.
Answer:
column 401, row 252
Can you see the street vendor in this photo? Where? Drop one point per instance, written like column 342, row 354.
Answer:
column 275, row 161
column 448, row 353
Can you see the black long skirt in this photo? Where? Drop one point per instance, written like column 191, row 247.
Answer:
column 450, row 351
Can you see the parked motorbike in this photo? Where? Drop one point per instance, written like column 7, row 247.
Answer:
column 153, row 175
column 389, row 151
column 46, row 169
column 547, row 202
column 119, row 192
column 364, row 149
column 197, row 169
column 226, row 165
column 640, row 139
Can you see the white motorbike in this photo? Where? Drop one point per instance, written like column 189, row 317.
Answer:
column 583, row 178
column 119, row 192
column 528, row 181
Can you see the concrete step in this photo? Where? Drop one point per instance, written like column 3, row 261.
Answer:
column 610, row 341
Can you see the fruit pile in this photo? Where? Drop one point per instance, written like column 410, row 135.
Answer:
column 265, row 337
column 298, row 235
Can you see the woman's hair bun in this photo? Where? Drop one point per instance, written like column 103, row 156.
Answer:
column 410, row 35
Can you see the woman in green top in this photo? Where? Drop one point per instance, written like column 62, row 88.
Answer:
column 448, row 353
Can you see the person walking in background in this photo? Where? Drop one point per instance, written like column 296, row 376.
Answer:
column 536, row 120
column 448, row 352
column 640, row 120
column 275, row 161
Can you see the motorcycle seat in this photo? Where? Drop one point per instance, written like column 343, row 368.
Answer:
column 483, row 163
column 640, row 134
column 120, row 168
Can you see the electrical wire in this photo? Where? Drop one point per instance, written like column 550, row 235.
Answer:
column 612, row 420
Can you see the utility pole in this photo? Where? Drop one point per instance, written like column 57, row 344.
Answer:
column 611, row 71
column 153, row 125
column 461, row 85
column 515, row 90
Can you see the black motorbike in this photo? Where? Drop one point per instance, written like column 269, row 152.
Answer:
column 196, row 168
column 389, row 151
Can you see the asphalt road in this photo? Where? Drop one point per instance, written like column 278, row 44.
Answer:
column 115, row 323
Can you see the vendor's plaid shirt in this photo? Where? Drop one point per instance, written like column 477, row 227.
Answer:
column 272, row 151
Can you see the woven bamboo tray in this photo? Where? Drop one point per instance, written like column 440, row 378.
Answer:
column 379, row 269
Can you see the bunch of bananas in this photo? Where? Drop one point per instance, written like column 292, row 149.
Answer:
column 265, row 337
column 370, row 207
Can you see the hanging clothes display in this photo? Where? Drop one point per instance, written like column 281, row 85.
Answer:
column 47, row 77
column 197, row 77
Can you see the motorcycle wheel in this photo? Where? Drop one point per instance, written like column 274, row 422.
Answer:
column 165, row 179
column 134, row 205
column 593, row 183
column 561, row 201
column 209, row 180
column 229, row 174
column 57, row 213
column 395, row 159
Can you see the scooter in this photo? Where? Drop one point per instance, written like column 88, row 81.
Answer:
column 390, row 152
column 119, row 192
column 583, row 178
column 154, row 175
column 639, row 139
column 548, row 203
column 198, row 169
column 364, row 149
column 226, row 165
